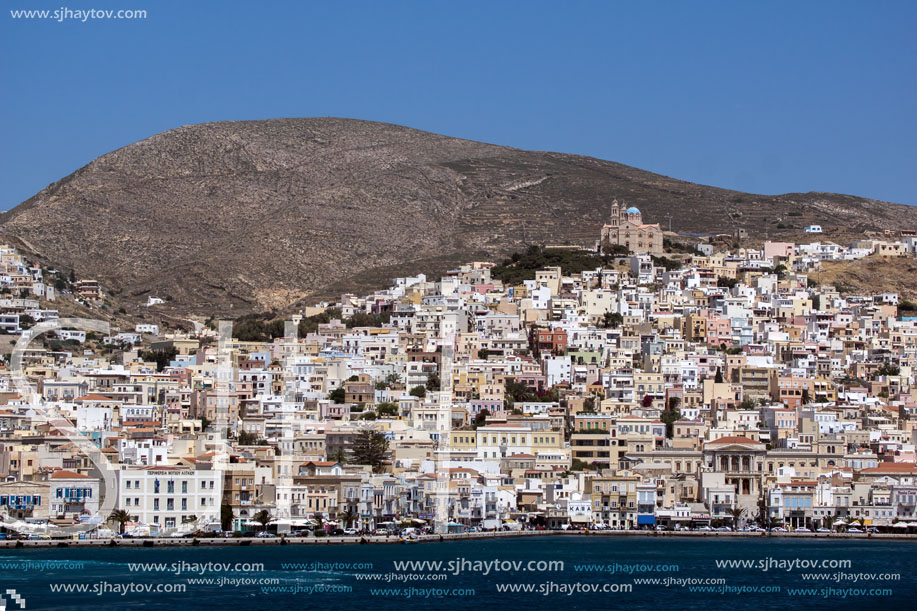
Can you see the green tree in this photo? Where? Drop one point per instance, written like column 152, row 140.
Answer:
column 433, row 382
column 250, row 439
column 887, row 369
column 393, row 379
column 481, row 418
column 578, row 465
column 387, row 408
column 263, row 518
column 612, row 320
column 369, row 448
column 310, row 324
column 339, row 455
column 419, row 391
column 337, row 395
column 718, row 379
column 670, row 417
column 747, row 404
column 161, row 357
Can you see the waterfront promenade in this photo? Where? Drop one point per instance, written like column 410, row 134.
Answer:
column 395, row 540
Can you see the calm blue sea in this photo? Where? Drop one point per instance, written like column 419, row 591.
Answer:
column 632, row 573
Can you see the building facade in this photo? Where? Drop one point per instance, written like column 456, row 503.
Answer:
column 626, row 228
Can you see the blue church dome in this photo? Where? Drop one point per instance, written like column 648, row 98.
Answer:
column 632, row 210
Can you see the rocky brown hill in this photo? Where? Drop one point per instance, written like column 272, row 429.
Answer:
column 234, row 217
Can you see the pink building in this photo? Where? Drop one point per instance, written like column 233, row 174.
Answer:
column 778, row 249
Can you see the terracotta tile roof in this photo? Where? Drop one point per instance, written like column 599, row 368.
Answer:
column 732, row 439
column 64, row 474
column 892, row 467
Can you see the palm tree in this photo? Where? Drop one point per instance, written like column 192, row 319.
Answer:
column 189, row 518
column 862, row 522
column 829, row 521
column 736, row 513
column 348, row 517
column 263, row 517
column 121, row 517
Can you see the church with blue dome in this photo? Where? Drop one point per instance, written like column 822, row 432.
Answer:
column 626, row 228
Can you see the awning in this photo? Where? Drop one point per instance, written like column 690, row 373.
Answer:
column 644, row 519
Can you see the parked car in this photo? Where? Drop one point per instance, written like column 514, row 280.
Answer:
column 352, row 532
column 823, row 530
column 802, row 529
column 266, row 535
column 779, row 529
column 855, row 531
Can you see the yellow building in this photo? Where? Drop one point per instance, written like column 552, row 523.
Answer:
column 626, row 228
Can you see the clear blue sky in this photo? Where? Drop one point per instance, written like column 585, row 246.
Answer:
column 768, row 97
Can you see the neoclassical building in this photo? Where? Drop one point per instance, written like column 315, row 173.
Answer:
column 626, row 228
column 742, row 461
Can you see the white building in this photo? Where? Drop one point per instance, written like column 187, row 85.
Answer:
column 168, row 495
column 73, row 494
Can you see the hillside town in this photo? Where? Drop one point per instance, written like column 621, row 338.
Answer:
column 639, row 384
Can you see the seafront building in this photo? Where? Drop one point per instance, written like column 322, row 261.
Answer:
column 722, row 387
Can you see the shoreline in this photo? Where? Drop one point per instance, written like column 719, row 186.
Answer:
column 379, row 540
